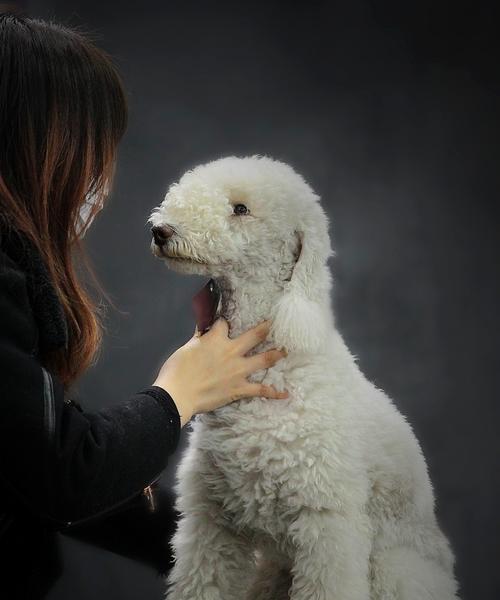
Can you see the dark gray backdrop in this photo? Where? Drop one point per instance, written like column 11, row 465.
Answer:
column 391, row 111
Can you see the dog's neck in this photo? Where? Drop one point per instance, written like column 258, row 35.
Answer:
column 246, row 302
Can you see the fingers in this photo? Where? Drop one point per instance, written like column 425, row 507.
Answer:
column 265, row 391
column 219, row 327
column 246, row 341
column 264, row 360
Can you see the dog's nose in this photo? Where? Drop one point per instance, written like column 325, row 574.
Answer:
column 161, row 234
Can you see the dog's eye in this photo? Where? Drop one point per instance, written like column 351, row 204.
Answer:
column 240, row 209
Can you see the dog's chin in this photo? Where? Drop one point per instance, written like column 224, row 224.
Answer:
column 187, row 266
column 182, row 264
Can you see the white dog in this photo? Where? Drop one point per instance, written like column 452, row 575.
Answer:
column 324, row 495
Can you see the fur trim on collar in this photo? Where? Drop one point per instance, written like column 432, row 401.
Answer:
column 47, row 308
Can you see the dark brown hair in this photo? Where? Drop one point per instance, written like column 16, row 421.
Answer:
column 63, row 111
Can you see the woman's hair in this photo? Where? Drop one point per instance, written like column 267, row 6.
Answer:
column 63, row 111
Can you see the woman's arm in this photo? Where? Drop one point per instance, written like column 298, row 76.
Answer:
column 59, row 462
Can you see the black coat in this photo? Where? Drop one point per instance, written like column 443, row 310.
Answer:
column 62, row 469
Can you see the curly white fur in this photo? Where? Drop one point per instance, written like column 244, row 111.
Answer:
column 325, row 495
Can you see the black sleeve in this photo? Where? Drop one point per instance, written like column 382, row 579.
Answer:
column 55, row 460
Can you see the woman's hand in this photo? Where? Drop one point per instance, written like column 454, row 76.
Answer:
column 211, row 371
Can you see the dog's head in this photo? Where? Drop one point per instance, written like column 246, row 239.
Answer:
column 257, row 218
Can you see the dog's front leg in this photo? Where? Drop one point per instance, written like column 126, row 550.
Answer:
column 211, row 562
column 331, row 556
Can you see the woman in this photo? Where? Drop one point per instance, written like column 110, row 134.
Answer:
column 62, row 114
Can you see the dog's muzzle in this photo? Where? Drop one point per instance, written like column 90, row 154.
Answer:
column 207, row 302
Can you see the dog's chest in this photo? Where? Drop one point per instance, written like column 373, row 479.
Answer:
column 247, row 470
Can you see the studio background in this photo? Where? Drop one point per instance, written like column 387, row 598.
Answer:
column 391, row 112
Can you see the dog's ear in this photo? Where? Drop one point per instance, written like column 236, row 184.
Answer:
column 300, row 318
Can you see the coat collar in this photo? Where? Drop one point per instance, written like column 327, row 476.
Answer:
column 47, row 308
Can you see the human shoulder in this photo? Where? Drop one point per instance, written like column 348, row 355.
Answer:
column 12, row 276
column 8, row 264
column 16, row 313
